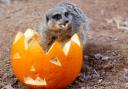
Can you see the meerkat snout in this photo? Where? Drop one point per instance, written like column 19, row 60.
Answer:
column 66, row 25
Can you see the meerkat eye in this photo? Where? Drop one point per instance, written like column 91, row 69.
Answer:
column 66, row 14
column 57, row 17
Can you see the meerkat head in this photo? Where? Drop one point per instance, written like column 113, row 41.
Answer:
column 58, row 19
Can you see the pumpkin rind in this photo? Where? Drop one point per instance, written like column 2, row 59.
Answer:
column 54, row 69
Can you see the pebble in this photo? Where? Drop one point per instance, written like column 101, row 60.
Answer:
column 105, row 58
column 8, row 87
column 98, row 56
column 83, row 88
column 100, row 80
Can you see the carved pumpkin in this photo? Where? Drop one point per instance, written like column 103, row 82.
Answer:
column 54, row 69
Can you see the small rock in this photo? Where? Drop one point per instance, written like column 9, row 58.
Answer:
column 116, row 39
column 100, row 80
column 83, row 88
column 88, row 87
column 126, row 75
column 7, row 2
column 105, row 58
column 98, row 56
column 86, row 57
column 8, row 87
column 114, row 53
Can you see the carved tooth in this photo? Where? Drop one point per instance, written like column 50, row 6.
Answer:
column 29, row 80
column 28, row 34
column 66, row 48
column 76, row 39
column 55, row 61
column 37, row 81
column 40, row 81
column 26, row 44
column 53, row 45
column 18, row 36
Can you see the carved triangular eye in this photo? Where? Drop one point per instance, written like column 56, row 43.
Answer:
column 18, row 36
column 32, row 69
column 55, row 61
column 76, row 39
column 16, row 56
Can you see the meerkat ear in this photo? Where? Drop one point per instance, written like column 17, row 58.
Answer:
column 47, row 19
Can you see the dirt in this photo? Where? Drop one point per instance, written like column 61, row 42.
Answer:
column 107, row 40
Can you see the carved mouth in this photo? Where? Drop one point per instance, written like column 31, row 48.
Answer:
column 30, row 34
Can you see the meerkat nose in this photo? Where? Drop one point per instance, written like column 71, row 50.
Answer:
column 66, row 22
column 63, row 26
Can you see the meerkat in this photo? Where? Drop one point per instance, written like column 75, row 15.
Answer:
column 61, row 22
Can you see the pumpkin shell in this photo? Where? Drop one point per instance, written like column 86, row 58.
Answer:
column 54, row 69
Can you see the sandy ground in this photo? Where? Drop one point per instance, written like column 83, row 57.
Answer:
column 107, row 45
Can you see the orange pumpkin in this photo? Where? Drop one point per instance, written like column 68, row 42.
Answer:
column 54, row 69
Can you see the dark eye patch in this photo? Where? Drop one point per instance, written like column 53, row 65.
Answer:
column 57, row 16
column 66, row 14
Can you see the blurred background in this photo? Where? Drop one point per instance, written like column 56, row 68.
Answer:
column 107, row 40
